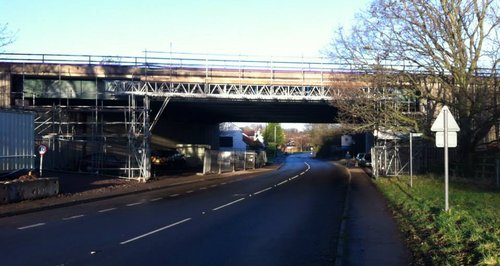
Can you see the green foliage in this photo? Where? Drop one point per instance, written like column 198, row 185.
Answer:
column 466, row 235
column 269, row 134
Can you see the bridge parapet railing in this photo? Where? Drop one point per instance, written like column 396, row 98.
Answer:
column 152, row 60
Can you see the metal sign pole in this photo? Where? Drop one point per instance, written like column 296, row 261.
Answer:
column 411, row 159
column 41, row 165
column 446, row 206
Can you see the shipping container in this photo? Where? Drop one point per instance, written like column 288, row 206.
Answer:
column 17, row 140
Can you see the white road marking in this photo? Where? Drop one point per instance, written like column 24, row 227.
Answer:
column 30, row 226
column 154, row 231
column 189, row 191
column 225, row 205
column 174, row 195
column 107, row 210
column 214, row 185
column 73, row 217
column 156, row 199
column 283, row 182
column 264, row 190
column 135, row 203
column 202, row 188
column 223, row 183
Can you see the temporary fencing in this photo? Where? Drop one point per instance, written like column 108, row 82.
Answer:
column 230, row 161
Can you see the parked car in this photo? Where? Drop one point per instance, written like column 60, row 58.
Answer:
column 167, row 159
column 364, row 159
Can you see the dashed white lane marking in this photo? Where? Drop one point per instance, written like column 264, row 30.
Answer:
column 107, row 210
column 189, row 191
column 264, row 190
column 135, row 203
column 30, row 226
column 156, row 199
column 174, row 195
column 154, row 231
column 223, row 183
column 225, row 205
column 202, row 188
column 283, row 182
column 73, row 217
column 214, row 185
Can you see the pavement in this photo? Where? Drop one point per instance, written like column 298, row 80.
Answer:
column 369, row 236
column 372, row 234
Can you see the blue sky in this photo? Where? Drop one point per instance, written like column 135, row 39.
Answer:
column 126, row 27
column 299, row 28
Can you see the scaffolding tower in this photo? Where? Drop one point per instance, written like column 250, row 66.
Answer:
column 97, row 138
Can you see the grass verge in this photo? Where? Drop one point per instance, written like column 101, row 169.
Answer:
column 469, row 234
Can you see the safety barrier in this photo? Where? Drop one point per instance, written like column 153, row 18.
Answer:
column 19, row 190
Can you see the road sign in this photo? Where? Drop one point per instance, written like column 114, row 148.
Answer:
column 438, row 125
column 42, row 149
column 452, row 139
column 446, row 136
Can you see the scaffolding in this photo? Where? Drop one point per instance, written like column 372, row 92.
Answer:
column 98, row 138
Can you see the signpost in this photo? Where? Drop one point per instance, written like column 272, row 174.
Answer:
column 446, row 129
column 42, row 149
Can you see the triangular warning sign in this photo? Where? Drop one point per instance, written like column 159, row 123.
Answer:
column 438, row 124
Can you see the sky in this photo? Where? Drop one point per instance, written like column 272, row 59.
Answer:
column 298, row 28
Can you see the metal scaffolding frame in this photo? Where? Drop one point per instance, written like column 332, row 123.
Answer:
column 60, row 127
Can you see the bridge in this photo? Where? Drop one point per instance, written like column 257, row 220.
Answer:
column 161, row 101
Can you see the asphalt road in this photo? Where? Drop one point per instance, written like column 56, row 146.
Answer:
column 287, row 217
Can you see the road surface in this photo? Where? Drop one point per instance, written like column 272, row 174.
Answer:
column 287, row 217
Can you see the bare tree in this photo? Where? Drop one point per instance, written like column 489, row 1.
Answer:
column 6, row 36
column 445, row 51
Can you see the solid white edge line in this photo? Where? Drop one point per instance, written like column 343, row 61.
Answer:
column 154, row 231
column 225, row 205
column 107, row 210
column 73, row 217
column 260, row 191
column 30, row 226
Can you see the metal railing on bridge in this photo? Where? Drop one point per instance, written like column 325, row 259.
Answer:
column 159, row 59
column 189, row 60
